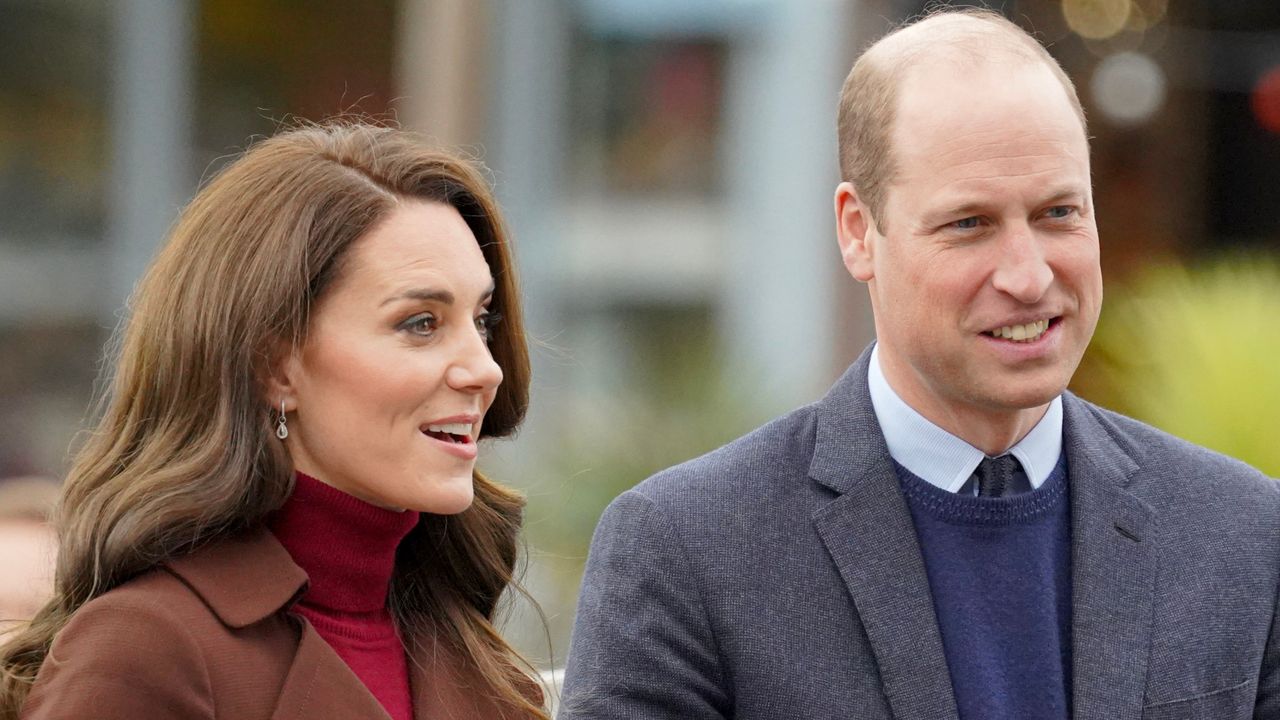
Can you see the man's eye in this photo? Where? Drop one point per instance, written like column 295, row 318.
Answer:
column 486, row 322
column 423, row 324
column 1059, row 212
column 968, row 223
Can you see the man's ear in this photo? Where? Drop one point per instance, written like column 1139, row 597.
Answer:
column 854, row 231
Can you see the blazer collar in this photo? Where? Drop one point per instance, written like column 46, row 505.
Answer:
column 243, row 578
column 849, row 449
column 869, row 533
column 1114, row 541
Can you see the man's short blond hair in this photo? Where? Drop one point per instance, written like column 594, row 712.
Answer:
column 868, row 99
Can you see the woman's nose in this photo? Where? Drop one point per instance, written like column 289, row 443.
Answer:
column 474, row 369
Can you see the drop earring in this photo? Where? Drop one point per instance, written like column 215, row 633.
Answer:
column 282, row 429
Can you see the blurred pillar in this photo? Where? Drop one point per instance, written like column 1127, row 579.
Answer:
column 780, row 304
column 527, row 142
column 151, row 110
column 442, row 69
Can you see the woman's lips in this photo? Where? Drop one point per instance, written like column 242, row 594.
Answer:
column 461, row 446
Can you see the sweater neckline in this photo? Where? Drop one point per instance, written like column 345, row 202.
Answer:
column 346, row 546
column 963, row 509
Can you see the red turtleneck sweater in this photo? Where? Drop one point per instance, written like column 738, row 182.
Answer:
column 347, row 547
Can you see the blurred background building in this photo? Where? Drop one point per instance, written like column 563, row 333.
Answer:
column 667, row 167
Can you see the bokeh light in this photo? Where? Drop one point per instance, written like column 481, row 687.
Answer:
column 1128, row 87
column 1265, row 100
column 1097, row 19
column 1144, row 14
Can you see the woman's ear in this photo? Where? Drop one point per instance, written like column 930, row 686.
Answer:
column 280, row 375
column 855, row 231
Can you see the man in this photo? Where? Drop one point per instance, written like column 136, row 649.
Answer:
column 948, row 533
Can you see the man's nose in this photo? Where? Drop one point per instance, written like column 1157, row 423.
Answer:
column 473, row 368
column 1022, row 271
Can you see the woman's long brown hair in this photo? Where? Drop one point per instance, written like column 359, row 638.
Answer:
column 184, row 452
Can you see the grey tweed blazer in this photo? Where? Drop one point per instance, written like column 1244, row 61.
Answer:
column 780, row 577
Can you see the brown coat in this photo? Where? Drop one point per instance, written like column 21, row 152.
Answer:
column 210, row 636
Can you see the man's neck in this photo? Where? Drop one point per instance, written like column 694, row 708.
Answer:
column 992, row 433
column 991, row 430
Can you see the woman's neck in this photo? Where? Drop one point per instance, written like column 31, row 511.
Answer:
column 346, row 546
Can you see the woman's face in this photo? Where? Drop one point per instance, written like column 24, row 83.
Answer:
column 387, row 393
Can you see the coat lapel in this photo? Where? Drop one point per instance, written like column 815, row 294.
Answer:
column 442, row 691
column 1113, row 557
column 869, row 533
column 319, row 684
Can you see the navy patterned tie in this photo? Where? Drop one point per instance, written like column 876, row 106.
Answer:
column 996, row 476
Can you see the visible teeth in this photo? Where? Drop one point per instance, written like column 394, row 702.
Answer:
column 1022, row 333
column 451, row 428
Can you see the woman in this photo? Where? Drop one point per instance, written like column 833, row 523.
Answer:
column 278, row 514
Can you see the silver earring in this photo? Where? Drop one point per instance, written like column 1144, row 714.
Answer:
column 282, row 429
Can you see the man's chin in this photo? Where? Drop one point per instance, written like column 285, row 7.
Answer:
column 1014, row 397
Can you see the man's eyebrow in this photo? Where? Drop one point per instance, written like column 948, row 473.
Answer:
column 1064, row 193
column 965, row 209
column 443, row 297
column 953, row 211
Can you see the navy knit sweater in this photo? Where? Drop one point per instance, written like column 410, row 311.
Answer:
column 1000, row 574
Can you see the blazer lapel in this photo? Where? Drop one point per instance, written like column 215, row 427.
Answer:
column 870, row 535
column 319, row 684
column 1113, row 555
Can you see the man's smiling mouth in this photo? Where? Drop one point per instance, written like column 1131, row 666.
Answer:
column 1029, row 332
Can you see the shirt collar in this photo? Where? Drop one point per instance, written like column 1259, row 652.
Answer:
column 944, row 460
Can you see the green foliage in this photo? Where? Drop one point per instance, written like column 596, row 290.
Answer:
column 678, row 403
column 1196, row 352
column 671, row 399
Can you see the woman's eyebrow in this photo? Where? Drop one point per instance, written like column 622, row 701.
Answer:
column 426, row 294
column 443, row 297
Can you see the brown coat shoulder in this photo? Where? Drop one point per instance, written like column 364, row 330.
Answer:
column 210, row 636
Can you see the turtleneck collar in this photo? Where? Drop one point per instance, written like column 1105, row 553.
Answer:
column 346, row 546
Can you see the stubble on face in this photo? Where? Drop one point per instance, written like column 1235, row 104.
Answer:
column 991, row 227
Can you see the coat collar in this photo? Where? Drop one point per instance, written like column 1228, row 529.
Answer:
column 868, row 531
column 244, row 578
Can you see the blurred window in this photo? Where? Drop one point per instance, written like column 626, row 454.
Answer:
column 645, row 113
column 53, row 99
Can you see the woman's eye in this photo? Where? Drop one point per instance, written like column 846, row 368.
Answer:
column 486, row 322
column 423, row 324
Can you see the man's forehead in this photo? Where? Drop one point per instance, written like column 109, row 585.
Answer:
column 948, row 36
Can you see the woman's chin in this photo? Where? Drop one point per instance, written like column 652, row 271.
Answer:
column 445, row 496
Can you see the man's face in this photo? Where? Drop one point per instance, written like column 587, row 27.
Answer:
column 984, row 273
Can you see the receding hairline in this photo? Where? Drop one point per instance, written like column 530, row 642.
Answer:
column 961, row 32
column 870, row 95
column 972, row 36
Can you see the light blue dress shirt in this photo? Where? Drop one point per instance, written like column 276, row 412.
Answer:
column 945, row 460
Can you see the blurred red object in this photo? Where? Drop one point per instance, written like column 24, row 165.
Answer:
column 1266, row 100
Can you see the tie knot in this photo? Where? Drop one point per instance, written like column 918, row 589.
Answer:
column 996, row 476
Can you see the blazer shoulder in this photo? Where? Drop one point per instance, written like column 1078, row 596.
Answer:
column 1178, row 462
column 781, row 448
